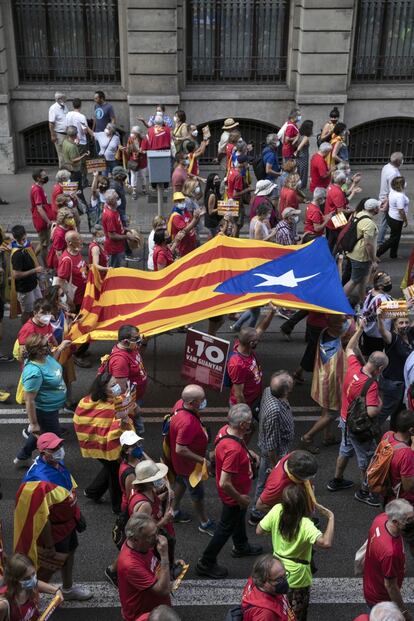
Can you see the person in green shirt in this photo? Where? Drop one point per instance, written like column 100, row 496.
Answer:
column 293, row 536
column 72, row 158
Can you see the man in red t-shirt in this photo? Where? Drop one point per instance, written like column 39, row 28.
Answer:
column 143, row 575
column 39, row 323
column 291, row 135
column 41, row 210
column 188, row 441
column 384, row 565
column 115, row 234
column 183, row 222
column 158, row 137
column 356, row 377
column 234, row 480
column 336, row 202
column 243, row 368
column 264, row 596
column 401, row 470
column 320, row 173
column 315, row 221
column 294, row 468
column 126, row 365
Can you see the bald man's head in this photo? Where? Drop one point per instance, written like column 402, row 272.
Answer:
column 281, row 384
column 377, row 362
column 74, row 241
column 192, row 396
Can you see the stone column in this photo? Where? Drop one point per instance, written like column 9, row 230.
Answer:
column 7, row 159
column 152, row 56
column 322, row 39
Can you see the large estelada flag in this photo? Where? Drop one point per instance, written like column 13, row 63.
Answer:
column 224, row 275
column 41, row 488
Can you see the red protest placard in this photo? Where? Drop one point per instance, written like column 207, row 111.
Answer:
column 205, row 359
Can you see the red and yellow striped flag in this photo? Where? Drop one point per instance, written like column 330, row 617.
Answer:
column 183, row 293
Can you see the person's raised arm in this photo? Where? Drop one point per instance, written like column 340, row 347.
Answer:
column 266, row 321
column 162, row 586
column 352, row 348
column 326, row 539
column 386, row 334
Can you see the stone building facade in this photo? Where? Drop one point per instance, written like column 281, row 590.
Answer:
column 249, row 59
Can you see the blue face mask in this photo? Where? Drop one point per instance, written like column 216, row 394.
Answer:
column 137, row 452
column 59, row 454
column 29, row 584
column 203, row 405
column 116, row 390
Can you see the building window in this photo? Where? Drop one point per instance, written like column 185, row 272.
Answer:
column 38, row 148
column 384, row 41
column 237, row 40
column 373, row 142
column 67, row 40
column 251, row 130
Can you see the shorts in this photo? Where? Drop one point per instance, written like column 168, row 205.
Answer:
column 44, row 237
column 27, row 299
column 351, row 447
column 359, row 270
column 68, row 544
column 197, row 492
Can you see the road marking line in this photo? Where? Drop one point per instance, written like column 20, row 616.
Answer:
column 218, row 410
column 207, row 419
column 228, row 593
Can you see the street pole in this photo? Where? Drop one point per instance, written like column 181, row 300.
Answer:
column 160, row 195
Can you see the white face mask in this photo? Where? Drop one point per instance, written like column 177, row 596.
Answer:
column 100, row 240
column 132, row 136
column 70, row 204
column 107, row 131
column 63, row 298
column 45, row 319
column 295, row 219
column 197, row 190
column 59, row 455
column 194, row 133
column 118, row 202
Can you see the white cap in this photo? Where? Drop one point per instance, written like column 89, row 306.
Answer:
column 371, row 204
column 129, row 438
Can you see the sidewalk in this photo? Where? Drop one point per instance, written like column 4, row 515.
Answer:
column 16, row 188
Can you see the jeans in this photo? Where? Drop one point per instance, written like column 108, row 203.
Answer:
column 393, row 241
column 106, row 479
column 383, row 228
column 48, row 421
column 264, row 469
column 350, row 447
column 232, row 524
column 250, row 317
column 116, row 260
column 287, row 326
column 392, row 400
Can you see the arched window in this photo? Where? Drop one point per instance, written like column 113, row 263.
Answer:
column 373, row 142
column 67, row 41
column 251, row 131
column 38, row 148
column 384, row 41
column 237, row 40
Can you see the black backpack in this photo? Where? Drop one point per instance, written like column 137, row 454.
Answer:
column 258, row 164
column 348, row 236
column 358, row 423
column 236, row 613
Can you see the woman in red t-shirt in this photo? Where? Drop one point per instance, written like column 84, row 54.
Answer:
column 19, row 595
column 164, row 249
column 64, row 222
column 289, row 194
column 97, row 254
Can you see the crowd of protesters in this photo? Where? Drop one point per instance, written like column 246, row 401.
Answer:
column 365, row 363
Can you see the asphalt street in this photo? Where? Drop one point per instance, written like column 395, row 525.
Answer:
column 336, row 592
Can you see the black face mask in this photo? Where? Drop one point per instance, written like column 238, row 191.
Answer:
column 281, row 587
column 387, row 288
column 44, row 179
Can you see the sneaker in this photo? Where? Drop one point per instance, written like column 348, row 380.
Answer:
column 96, row 500
column 284, row 313
column 209, row 527
column 248, row 550
column 111, row 576
column 67, row 410
column 336, row 485
column 81, row 362
column 214, row 571
column 367, row 498
column 5, row 358
column 76, row 593
column 22, row 463
column 180, row 517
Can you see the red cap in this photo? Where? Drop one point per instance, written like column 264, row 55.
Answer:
column 48, row 441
